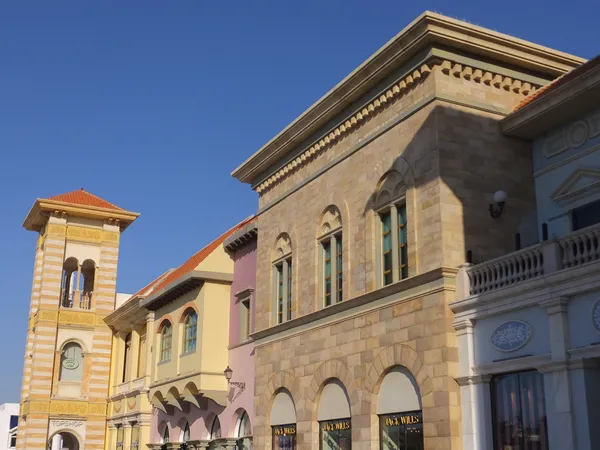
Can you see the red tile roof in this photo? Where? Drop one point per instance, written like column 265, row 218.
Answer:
column 83, row 197
column 195, row 260
column 560, row 81
column 143, row 292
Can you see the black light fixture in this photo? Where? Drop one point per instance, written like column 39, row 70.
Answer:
column 228, row 372
column 497, row 207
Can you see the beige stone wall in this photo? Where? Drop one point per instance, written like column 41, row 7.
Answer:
column 442, row 135
column 414, row 332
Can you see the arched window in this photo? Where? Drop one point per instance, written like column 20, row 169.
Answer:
column 165, row 435
column 399, row 411
column 282, row 280
column 243, row 432
column 88, row 277
column 190, row 329
column 69, row 282
column 71, row 362
column 392, row 243
column 215, row 429
column 166, row 337
column 185, row 433
column 331, row 262
column 333, row 414
column 283, row 421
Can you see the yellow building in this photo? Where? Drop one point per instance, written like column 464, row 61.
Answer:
column 68, row 351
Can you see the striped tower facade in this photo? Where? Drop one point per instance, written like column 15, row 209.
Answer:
column 68, row 351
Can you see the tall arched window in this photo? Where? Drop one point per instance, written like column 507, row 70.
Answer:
column 185, row 433
column 165, row 435
column 392, row 243
column 190, row 329
column 282, row 280
column 243, row 432
column 166, row 338
column 215, row 429
column 71, row 362
column 69, row 282
column 331, row 263
column 88, row 278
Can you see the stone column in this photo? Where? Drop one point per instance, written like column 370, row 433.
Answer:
column 474, row 392
column 126, row 436
column 557, row 386
column 151, row 351
column 111, row 438
column 134, row 354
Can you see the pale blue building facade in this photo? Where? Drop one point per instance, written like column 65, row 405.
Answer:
column 528, row 323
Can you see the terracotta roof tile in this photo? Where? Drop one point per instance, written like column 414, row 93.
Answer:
column 560, row 81
column 143, row 292
column 83, row 197
column 198, row 257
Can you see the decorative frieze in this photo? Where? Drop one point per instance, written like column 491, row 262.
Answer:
column 397, row 91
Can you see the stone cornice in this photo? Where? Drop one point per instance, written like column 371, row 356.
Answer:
column 397, row 91
column 427, row 30
column 556, row 107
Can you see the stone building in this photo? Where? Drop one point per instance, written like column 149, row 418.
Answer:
column 368, row 204
column 68, row 351
column 528, row 322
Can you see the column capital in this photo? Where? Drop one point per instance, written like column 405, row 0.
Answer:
column 474, row 379
column 555, row 305
column 150, row 316
column 463, row 325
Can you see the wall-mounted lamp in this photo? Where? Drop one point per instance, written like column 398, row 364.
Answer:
column 228, row 372
column 497, row 207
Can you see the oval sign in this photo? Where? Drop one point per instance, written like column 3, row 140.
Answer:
column 596, row 315
column 70, row 364
column 511, row 336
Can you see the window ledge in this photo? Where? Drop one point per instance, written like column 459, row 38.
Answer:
column 188, row 353
column 400, row 286
column 166, row 361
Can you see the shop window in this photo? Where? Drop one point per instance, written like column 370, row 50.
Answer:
column 335, row 426
column 335, row 434
column 519, row 411
column 284, row 437
column 403, row 431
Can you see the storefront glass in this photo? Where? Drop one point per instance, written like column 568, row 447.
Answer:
column 519, row 411
column 402, row 431
column 336, row 434
column 284, row 437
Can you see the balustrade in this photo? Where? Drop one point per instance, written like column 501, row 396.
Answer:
column 575, row 249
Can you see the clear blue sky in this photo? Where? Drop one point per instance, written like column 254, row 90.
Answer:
column 151, row 104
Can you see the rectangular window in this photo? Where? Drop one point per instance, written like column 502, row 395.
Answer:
column 284, row 437
column 327, row 272
column 289, row 290
column 403, row 431
column 13, row 440
column 586, row 215
column 279, row 269
column 386, row 246
column 14, row 421
column 245, row 318
column 126, row 357
column 402, row 243
column 519, row 411
column 339, row 269
column 335, row 435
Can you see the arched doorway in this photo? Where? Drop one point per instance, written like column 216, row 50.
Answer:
column 283, row 421
column 334, row 417
column 63, row 441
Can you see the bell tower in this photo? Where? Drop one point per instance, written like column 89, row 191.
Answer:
column 67, row 356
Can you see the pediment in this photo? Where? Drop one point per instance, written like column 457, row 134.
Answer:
column 582, row 181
